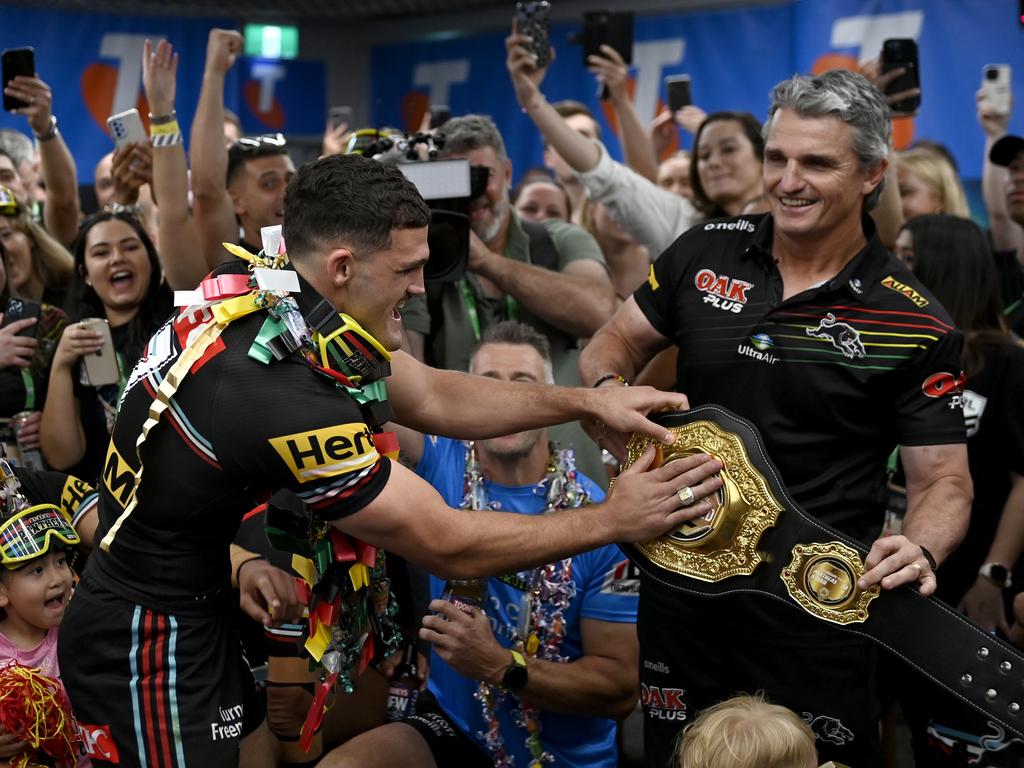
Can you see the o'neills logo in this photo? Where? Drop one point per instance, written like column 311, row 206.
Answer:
column 742, row 225
column 723, row 292
column 893, row 284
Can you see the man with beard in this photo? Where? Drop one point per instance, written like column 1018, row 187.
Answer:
column 549, row 275
column 485, row 673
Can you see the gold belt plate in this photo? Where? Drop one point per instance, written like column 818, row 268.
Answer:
column 822, row 579
column 724, row 542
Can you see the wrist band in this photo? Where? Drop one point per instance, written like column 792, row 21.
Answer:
column 929, row 557
column 164, row 129
column 241, row 565
column 166, row 140
column 608, row 377
column 170, row 117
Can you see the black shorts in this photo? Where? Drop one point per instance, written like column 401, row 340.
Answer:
column 698, row 651
column 155, row 689
column 448, row 743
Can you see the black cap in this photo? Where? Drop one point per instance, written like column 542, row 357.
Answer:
column 1004, row 150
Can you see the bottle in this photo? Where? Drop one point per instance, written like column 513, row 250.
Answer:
column 31, row 458
column 404, row 688
column 466, row 594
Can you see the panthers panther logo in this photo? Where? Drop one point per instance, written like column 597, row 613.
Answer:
column 844, row 337
column 828, row 729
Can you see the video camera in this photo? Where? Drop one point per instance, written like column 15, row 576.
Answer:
column 448, row 186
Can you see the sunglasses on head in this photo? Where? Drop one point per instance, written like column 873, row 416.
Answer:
column 257, row 143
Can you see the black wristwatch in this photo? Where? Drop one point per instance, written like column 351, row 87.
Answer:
column 998, row 573
column 515, row 676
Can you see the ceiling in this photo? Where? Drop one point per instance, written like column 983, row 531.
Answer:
column 296, row 11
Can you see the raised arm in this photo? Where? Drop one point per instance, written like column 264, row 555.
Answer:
column 637, row 147
column 653, row 216
column 180, row 253
column 214, row 213
column 56, row 166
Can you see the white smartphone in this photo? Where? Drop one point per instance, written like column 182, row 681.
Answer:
column 126, row 128
column 101, row 366
column 995, row 88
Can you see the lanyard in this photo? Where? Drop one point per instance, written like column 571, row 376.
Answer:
column 30, row 389
column 469, row 302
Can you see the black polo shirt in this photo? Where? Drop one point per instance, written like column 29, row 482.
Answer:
column 833, row 377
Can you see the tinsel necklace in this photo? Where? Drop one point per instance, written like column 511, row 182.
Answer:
column 541, row 626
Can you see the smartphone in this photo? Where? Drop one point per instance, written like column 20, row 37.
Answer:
column 439, row 115
column 901, row 52
column 101, row 366
column 126, row 128
column 995, row 88
column 532, row 20
column 614, row 28
column 339, row 115
column 17, row 61
column 679, row 95
column 20, row 309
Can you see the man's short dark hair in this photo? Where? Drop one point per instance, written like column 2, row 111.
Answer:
column 250, row 148
column 349, row 200
column 569, row 107
column 515, row 332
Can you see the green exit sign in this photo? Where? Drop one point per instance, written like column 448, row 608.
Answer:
column 268, row 41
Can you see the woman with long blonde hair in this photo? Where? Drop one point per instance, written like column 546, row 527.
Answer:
column 38, row 267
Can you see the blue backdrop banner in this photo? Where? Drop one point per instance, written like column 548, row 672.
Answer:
column 93, row 63
column 734, row 58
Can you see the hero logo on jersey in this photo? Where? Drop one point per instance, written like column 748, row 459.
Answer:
column 723, row 292
column 622, row 579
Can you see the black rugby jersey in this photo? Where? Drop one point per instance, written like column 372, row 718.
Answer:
column 833, row 377
column 237, row 431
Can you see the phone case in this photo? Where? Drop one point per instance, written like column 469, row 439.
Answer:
column 614, row 28
column 101, row 367
column 14, row 62
column 679, row 95
column 19, row 309
column 126, row 128
column 902, row 53
column 339, row 115
column 532, row 20
column 995, row 88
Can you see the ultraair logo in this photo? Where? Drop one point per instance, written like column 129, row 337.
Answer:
column 758, row 349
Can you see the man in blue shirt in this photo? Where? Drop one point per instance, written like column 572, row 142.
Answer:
column 575, row 701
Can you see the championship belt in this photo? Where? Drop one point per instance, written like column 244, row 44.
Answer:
column 757, row 539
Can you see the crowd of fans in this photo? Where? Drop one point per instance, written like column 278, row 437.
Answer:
column 558, row 253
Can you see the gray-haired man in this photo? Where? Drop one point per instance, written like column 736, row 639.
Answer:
column 786, row 319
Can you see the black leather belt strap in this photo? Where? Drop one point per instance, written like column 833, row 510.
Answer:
column 760, row 540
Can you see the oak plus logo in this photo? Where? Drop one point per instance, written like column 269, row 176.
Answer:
column 661, row 703
column 725, row 293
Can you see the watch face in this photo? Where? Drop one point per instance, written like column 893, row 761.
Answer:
column 515, row 678
column 998, row 573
